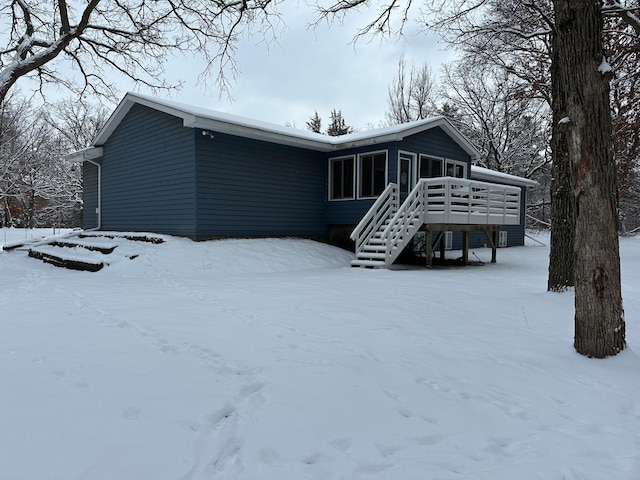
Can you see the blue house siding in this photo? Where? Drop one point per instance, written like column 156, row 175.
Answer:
column 89, row 195
column 249, row 187
column 348, row 212
column 148, row 174
column 435, row 142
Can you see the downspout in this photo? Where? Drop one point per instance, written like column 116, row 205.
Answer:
column 99, row 208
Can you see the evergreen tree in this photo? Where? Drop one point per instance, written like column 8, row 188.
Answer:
column 315, row 123
column 338, row 126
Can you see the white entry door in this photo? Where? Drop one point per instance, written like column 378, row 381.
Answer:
column 406, row 174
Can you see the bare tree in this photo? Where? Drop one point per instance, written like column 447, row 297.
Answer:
column 410, row 95
column 73, row 45
column 509, row 127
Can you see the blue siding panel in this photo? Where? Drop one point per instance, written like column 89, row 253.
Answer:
column 435, row 142
column 254, row 188
column 89, row 195
column 350, row 212
column 148, row 175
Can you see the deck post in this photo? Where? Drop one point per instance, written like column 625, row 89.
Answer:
column 465, row 247
column 494, row 245
column 429, row 248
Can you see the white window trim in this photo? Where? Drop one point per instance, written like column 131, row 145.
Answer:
column 424, row 156
column 448, row 240
column 330, row 183
column 414, row 167
column 444, row 161
column 456, row 162
column 503, row 238
column 359, row 171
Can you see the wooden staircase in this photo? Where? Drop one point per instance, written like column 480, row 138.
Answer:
column 394, row 228
column 387, row 228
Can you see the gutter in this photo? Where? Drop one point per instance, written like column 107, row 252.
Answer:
column 90, row 154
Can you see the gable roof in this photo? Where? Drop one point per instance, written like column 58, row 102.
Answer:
column 198, row 117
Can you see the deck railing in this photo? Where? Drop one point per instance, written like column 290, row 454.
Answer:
column 441, row 201
column 469, row 202
column 383, row 208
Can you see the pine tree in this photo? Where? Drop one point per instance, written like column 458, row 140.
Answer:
column 338, row 126
column 315, row 123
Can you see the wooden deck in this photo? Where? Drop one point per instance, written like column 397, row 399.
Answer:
column 436, row 204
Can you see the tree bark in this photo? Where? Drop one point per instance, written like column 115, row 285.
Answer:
column 561, row 256
column 581, row 80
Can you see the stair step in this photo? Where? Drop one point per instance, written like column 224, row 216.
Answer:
column 374, row 248
column 371, row 255
column 367, row 263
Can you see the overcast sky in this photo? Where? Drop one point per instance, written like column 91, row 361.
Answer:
column 311, row 69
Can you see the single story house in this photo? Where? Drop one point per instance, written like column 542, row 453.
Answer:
column 166, row 167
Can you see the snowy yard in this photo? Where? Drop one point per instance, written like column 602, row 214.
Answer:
column 274, row 360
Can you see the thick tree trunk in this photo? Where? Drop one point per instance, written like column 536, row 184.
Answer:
column 561, row 257
column 583, row 84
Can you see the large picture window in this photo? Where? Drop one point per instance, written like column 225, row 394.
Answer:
column 373, row 174
column 341, row 173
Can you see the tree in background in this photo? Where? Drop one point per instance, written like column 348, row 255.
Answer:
column 337, row 125
column 315, row 123
column 410, row 96
column 508, row 127
column 73, row 45
column 37, row 187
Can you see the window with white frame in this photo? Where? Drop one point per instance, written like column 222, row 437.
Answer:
column 448, row 240
column 341, row 178
column 502, row 238
column 455, row 169
column 372, row 178
column 432, row 167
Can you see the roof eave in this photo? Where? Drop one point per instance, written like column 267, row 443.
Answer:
column 84, row 155
column 490, row 175
column 256, row 133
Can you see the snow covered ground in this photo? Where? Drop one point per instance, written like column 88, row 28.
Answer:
column 273, row 359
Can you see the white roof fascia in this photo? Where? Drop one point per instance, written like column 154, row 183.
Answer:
column 257, row 133
column 198, row 117
column 481, row 173
column 86, row 154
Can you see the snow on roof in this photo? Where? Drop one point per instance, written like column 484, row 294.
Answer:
column 481, row 173
column 199, row 117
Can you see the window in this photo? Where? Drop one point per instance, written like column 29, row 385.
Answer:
column 502, row 238
column 373, row 174
column 341, row 175
column 431, row 167
column 455, row 169
column 448, row 240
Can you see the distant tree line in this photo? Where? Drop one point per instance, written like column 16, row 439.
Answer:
column 38, row 188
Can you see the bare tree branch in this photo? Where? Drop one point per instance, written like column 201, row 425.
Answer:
column 130, row 37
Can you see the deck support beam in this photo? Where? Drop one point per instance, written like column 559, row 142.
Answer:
column 490, row 232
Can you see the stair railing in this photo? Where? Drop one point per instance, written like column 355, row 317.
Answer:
column 383, row 208
column 405, row 223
